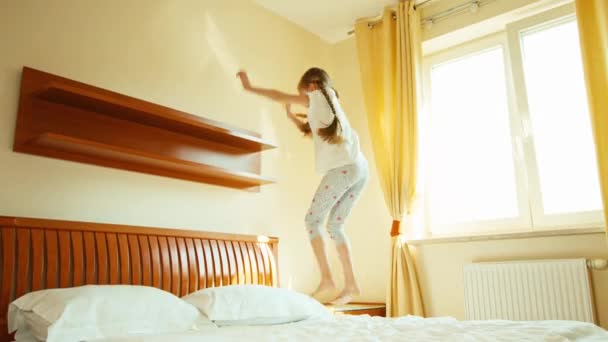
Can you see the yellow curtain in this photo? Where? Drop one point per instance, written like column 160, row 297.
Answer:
column 592, row 16
column 389, row 58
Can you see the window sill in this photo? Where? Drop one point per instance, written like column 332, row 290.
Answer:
column 505, row 236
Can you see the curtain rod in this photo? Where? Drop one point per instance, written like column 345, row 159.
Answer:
column 597, row 264
column 372, row 22
column 423, row 4
column 472, row 5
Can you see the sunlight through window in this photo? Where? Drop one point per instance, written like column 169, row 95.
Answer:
column 560, row 119
column 471, row 172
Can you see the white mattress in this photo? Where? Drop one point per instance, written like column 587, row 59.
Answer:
column 365, row 328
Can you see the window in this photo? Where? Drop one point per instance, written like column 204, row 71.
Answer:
column 508, row 142
column 470, row 166
column 559, row 119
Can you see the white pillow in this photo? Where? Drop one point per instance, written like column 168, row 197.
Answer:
column 32, row 328
column 98, row 311
column 255, row 305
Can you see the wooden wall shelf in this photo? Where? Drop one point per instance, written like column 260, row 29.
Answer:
column 65, row 119
column 124, row 107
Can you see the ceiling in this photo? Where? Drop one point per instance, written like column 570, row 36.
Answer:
column 329, row 19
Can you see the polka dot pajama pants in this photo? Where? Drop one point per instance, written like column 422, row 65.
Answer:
column 335, row 197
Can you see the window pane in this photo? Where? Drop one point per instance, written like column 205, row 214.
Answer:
column 470, row 159
column 560, row 120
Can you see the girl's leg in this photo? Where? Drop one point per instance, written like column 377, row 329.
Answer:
column 351, row 287
column 333, row 186
column 335, row 225
column 327, row 282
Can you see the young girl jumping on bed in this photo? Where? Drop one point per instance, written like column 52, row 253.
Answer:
column 339, row 158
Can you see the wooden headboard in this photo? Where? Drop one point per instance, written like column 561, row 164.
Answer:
column 39, row 254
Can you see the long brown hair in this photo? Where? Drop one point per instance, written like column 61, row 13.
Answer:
column 332, row 132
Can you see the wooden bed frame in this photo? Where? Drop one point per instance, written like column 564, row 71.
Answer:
column 40, row 254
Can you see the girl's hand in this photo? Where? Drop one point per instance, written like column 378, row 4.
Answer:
column 304, row 127
column 291, row 114
column 242, row 75
column 288, row 109
column 271, row 94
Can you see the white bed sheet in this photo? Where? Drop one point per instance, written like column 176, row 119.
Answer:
column 365, row 328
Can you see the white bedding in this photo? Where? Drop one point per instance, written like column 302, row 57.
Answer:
column 365, row 328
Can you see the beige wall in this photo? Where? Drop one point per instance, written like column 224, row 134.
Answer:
column 182, row 54
column 440, row 265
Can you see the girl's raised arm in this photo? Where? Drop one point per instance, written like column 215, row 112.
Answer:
column 272, row 94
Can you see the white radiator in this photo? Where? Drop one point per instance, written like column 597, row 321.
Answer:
column 529, row 290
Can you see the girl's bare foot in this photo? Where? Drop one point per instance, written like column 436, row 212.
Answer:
column 346, row 296
column 324, row 286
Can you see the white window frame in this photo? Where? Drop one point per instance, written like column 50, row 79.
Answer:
column 514, row 30
column 529, row 195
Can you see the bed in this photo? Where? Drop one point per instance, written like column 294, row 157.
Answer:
column 361, row 328
column 41, row 254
